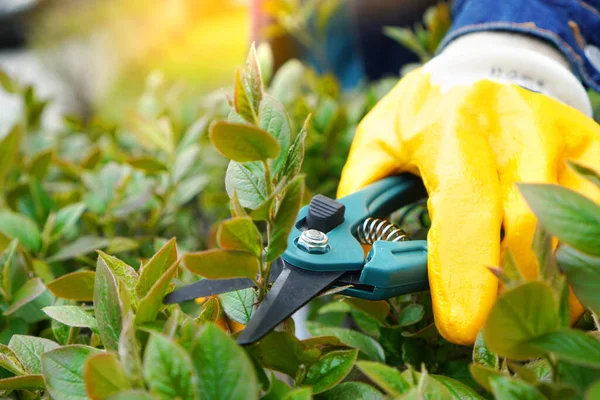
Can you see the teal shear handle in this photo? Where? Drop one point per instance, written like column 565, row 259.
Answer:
column 383, row 197
column 391, row 268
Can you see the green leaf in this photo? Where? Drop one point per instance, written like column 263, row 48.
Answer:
column 247, row 180
column 10, row 148
column 235, row 207
column 62, row 369
column 60, row 332
column 28, row 350
column 295, row 155
column 106, row 306
column 147, row 164
column 567, row 215
column 72, row 316
column 194, row 132
column 189, row 188
column 27, row 293
column 583, row 274
column 366, row 323
column 457, row 389
column 543, row 249
column 80, row 247
column 285, row 218
column 523, row 373
column 505, row 388
column 151, row 304
column 263, row 211
column 407, row 39
column 171, row 325
column 239, row 304
column 351, row 390
column 240, row 234
column 287, row 81
column 483, row 375
column 509, row 274
column 120, row 271
column 367, row 346
column 299, row 394
column 275, row 120
column 185, row 161
column 330, row 370
column 283, row 352
column 10, row 361
column 168, row 369
column 564, row 301
column 243, row 143
column 131, row 395
column 74, row 286
column 519, row 315
column 569, row 345
column 426, row 387
column 541, row 369
column 20, row 227
column 279, row 390
column 593, row 392
column 387, row 378
column 67, row 217
column 221, row 264
column 575, row 375
column 264, row 54
column 151, row 272
column 224, row 370
column 210, row 311
column 482, row 355
column 376, row 309
column 241, row 99
column 42, row 202
column 129, row 352
column 252, row 78
column 104, row 376
column 27, row 382
column 586, row 172
column 417, row 351
column 7, row 260
column 8, row 84
column 40, row 163
column 411, row 315
column 153, row 134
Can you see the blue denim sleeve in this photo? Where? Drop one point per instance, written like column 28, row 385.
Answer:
column 573, row 26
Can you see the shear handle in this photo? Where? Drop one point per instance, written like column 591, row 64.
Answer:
column 383, row 197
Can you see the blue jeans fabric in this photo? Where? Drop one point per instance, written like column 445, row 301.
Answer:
column 572, row 26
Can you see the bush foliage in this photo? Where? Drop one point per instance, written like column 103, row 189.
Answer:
column 98, row 222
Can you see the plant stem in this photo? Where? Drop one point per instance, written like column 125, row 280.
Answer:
column 73, row 335
column 268, row 183
column 266, row 266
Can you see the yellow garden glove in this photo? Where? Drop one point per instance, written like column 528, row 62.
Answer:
column 470, row 135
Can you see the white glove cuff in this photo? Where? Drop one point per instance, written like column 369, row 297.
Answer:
column 508, row 58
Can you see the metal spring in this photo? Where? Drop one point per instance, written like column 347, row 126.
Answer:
column 373, row 229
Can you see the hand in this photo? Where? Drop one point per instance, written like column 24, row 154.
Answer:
column 470, row 143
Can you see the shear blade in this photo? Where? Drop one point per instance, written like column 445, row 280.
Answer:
column 212, row 287
column 294, row 288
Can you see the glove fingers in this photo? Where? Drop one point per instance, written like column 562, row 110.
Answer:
column 376, row 150
column 464, row 238
column 526, row 153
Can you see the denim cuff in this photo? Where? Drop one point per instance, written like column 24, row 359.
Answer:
column 572, row 26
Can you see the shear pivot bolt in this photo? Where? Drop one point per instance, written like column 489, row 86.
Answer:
column 313, row 241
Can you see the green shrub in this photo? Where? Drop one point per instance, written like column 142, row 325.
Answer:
column 96, row 219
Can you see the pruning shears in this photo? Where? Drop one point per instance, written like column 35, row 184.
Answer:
column 325, row 252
